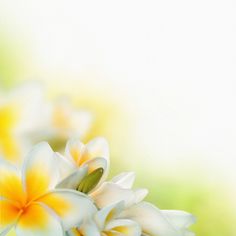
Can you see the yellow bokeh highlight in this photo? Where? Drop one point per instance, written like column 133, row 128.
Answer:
column 9, row 147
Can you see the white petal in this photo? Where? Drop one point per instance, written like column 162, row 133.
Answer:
column 74, row 150
column 108, row 213
column 140, row 194
column 123, row 226
column 124, row 180
column 98, row 147
column 98, row 162
column 46, row 223
column 110, row 193
column 89, row 228
column 152, row 221
column 180, row 219
column 40, row 170
column 66, row 167
column 71, row 206
column 73, row 180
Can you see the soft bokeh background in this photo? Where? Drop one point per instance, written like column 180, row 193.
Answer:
column 160, row 78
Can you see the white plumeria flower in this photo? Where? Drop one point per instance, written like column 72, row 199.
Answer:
column 107, row 223
column 84, row 159
column 154, row 222
column 29, row 202
column 27, row 118
column 20, row 113
column 68, row 121
column 65, row 122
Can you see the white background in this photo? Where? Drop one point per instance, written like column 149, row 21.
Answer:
column 174, row 61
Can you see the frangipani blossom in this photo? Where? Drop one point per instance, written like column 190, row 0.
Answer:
column 19, row 115
column 84, row 159
column 67, row 121
column 107, row 223
column 154, row 222
column 68, row 195
column 22, row 123
column 29, row 202
column 64, row 122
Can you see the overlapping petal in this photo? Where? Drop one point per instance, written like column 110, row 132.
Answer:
column 71, row 206
column 79, row 153
column 110, row 193
column 118, row 189
column 93, row 156
column 40, row 171
column 152, row 220
column 74, row 150
column 122, row 227
column 108, row 213
column 73, row 180
column 66, row 166
column 105, row 223
column 37, row 209
column 97, row 147
column 38, row 220
column 88, row 228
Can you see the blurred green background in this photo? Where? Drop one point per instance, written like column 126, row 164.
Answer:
column 183, row 152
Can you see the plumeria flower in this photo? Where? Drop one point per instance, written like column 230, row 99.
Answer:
column 153, row 221
column 156, row 222
column 29, row 202
column 69, row 122
column 89, row 167
column 20, row 113
column 84, row 166
column 22, row 123
column 65, row 122
column 107, row 223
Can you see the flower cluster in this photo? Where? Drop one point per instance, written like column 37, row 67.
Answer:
column 26, row 118
column 69, row 194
